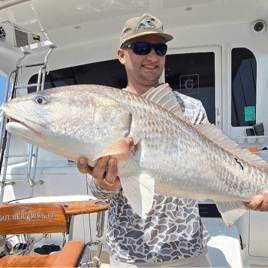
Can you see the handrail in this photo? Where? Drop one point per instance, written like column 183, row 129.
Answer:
column 95, row 262
column 4, row 137
column 32, row 161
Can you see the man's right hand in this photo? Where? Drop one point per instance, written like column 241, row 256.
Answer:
column 104, row 172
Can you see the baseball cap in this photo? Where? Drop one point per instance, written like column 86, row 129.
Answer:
column 144, row 25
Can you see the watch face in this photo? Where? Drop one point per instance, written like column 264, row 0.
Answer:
column 2, row 34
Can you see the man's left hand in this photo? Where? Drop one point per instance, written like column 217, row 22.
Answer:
column 259, row 203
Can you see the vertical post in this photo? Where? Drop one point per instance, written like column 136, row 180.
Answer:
column 32, row 161
column 4, row 136
column 100, row 223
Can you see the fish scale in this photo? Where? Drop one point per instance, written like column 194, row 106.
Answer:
column 246, row 190
column 158, row 150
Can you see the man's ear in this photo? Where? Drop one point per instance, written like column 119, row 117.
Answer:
column 121, row 56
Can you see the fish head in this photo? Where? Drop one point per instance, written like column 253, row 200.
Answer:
column 74, row 120
column 24, row 121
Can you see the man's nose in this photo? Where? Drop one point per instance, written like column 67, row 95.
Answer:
column 152, row 55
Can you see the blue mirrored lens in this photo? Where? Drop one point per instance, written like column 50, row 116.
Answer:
column 145, row 48
column 142, row 48
column 160, row 49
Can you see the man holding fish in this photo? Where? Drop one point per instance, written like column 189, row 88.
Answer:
column 153, row 151
column 172, row 234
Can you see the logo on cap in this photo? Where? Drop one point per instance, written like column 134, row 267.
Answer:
column 146, row 24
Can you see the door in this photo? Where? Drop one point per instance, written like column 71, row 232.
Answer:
column 196, row 72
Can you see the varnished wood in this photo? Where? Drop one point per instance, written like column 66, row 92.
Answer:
column 33, row 218
column 24, row 218
column 68, row 257
column 82, row 207
column 70, row 254
column 18, row 218
column 28, row 261
column 74, row 207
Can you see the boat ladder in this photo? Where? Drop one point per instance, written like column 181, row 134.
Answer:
column 5, row 137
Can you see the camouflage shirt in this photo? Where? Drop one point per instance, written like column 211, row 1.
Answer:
column 173, row 228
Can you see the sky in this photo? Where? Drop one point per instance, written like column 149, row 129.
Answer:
column 3, row 82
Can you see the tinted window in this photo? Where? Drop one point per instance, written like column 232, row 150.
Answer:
column 109, row 73
column 193, row 74
column 243, row 87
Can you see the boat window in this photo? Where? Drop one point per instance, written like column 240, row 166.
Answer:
column 193, row 74
column 244, row 70
column 109, row 73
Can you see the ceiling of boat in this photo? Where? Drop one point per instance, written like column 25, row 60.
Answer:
column 9, row 3
column 72, row 23
column 37, row 15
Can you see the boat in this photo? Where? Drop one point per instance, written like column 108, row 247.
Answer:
column 218, row 55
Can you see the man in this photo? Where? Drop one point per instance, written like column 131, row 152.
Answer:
column 172, row 234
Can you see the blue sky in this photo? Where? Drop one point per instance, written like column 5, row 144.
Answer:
column 3, row 82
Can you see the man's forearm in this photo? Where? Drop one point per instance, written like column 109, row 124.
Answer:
column 98, row 192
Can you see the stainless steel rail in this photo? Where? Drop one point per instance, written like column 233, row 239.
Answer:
column 86, row 259
column 6, row 137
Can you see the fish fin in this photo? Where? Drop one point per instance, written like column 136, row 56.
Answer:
column 122, row 148
column 139, row 190
column 217, row 136
column 231, row 211
column 164, row 97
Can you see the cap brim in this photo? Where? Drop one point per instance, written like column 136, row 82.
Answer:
column 166, row 37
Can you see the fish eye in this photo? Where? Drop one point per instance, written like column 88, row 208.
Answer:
column 41, row 100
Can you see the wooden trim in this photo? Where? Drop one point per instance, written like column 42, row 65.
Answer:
column 70, row 254
column 28, row 261
column 40, row 261
column 68, row 257
column 32, row 218
column 73, row 207
column 25, row 218
column 82, row 207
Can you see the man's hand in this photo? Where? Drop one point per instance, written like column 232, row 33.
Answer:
column 259, row 203
column 104, row 172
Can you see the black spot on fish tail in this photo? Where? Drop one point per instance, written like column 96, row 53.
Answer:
column 239, row 163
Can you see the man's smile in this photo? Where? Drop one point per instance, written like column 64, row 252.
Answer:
column 149, row 66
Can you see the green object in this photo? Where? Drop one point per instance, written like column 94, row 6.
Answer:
column 36, row 38
column 250, row 113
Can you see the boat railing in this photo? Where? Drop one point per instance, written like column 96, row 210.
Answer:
column 6, row 137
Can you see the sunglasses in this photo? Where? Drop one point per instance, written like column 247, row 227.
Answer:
column 145, row 48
